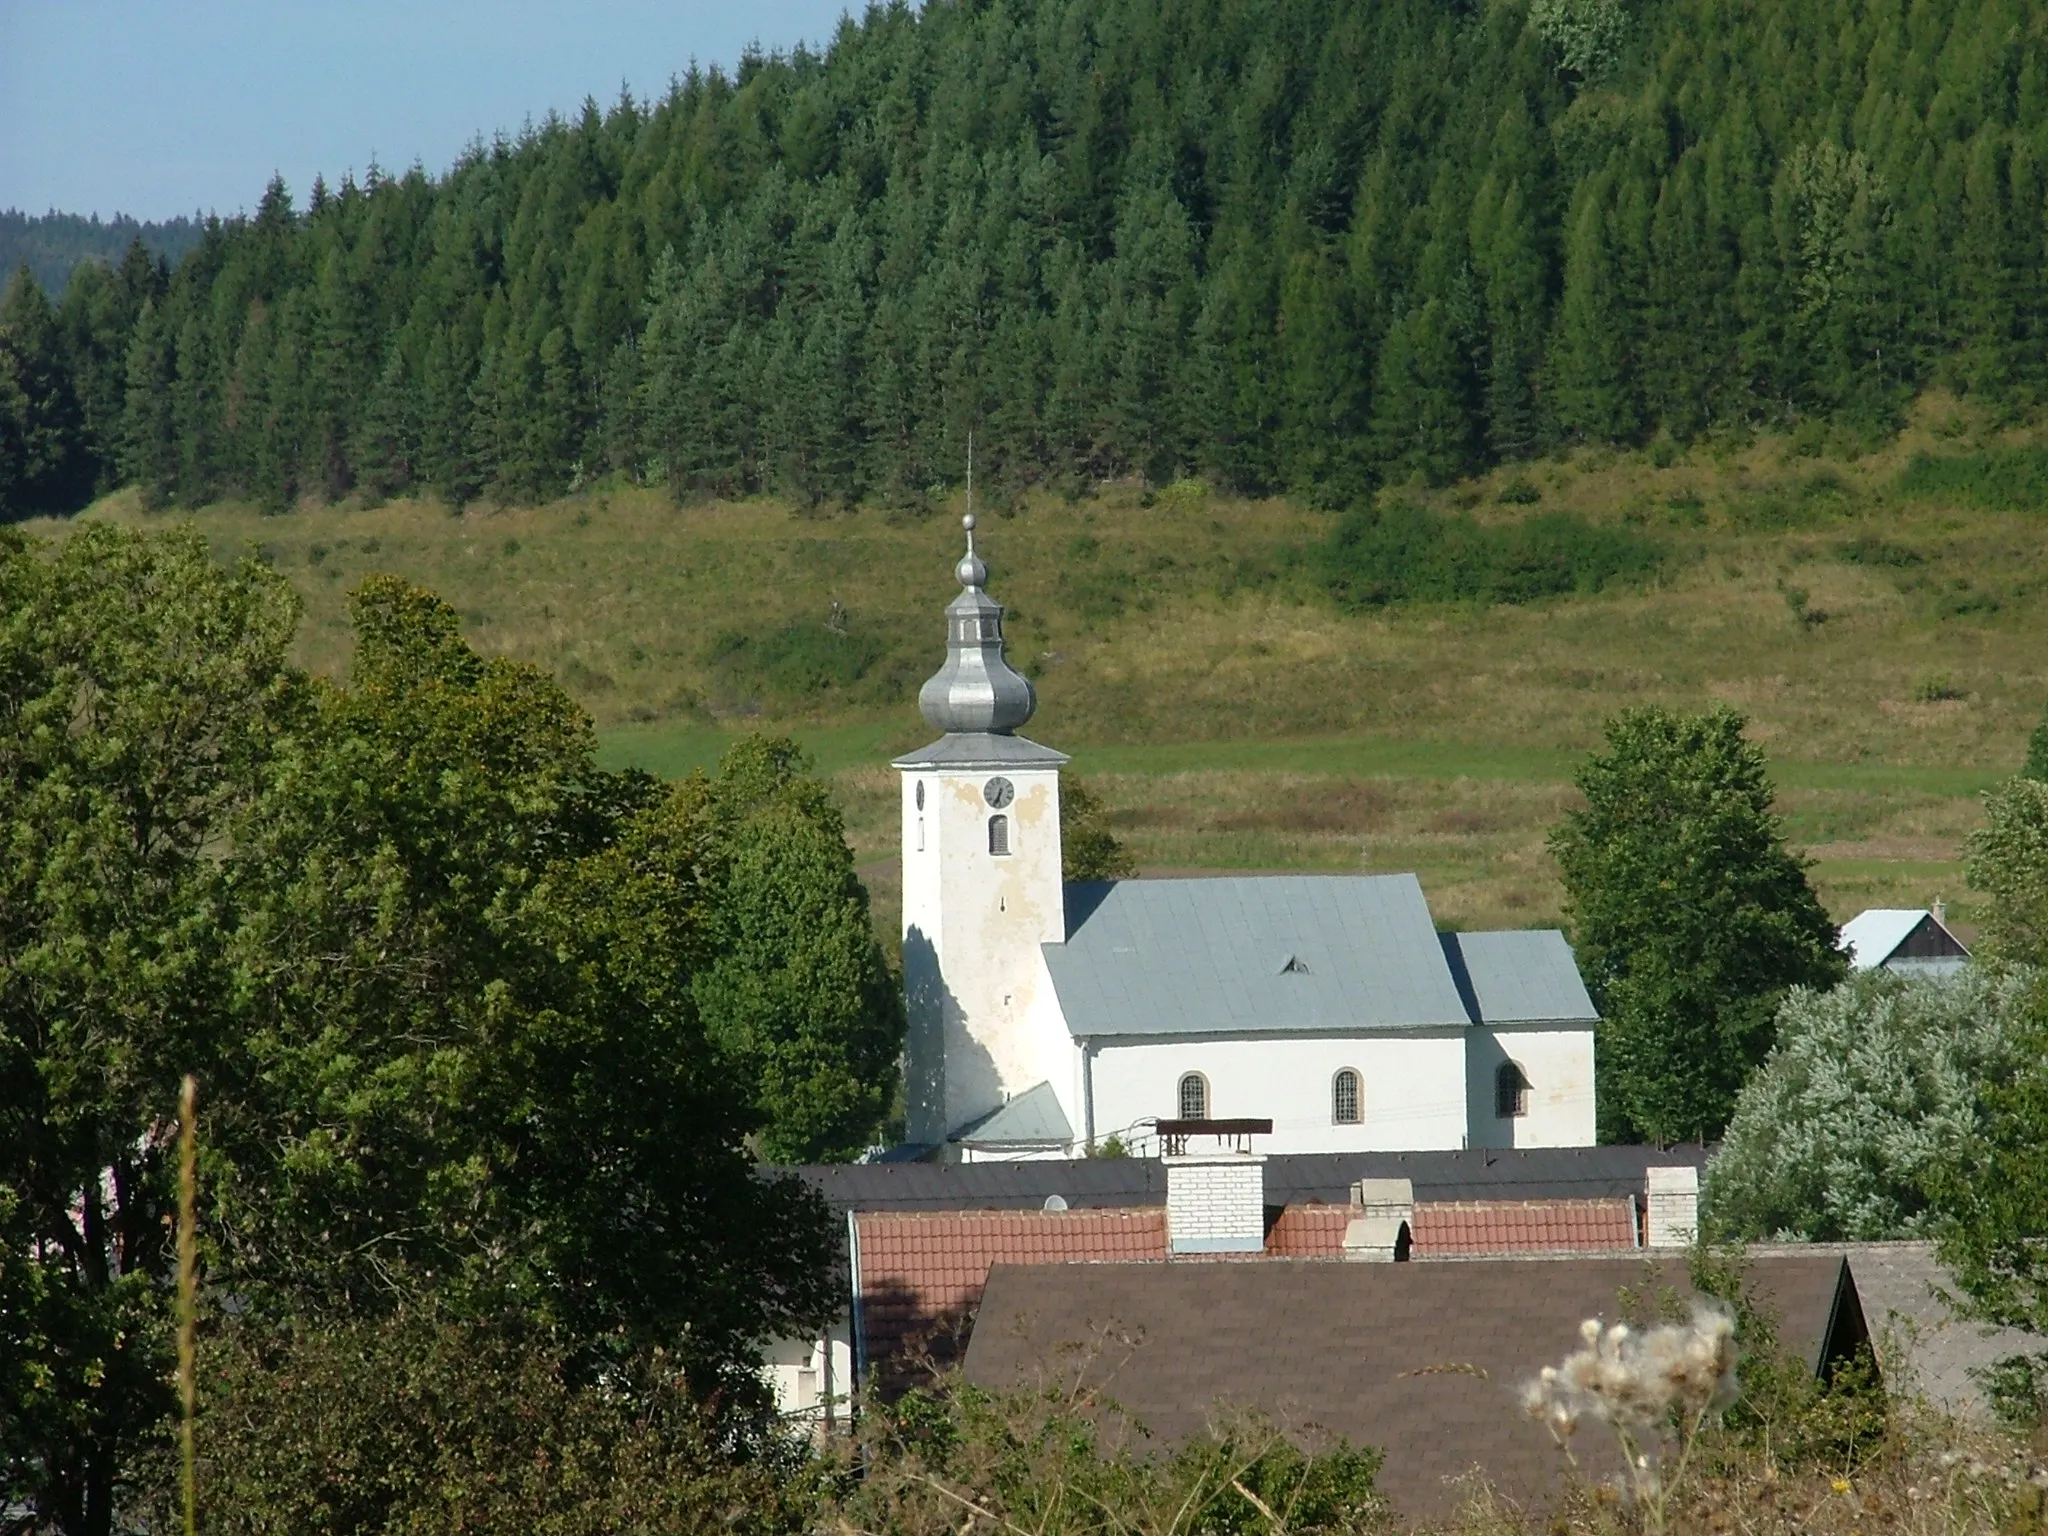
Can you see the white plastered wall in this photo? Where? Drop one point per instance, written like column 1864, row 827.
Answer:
column 1414, row 1087
column 972, row 926
column 1557, row 1062
column 812, row 1379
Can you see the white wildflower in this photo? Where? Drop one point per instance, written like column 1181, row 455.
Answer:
column 1649, row 1388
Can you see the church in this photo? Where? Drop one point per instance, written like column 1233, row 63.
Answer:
column 1046, row 1018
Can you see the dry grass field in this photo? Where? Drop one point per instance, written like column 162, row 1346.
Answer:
column 1891, row 653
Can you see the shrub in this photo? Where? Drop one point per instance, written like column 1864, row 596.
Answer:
column 1406, row 554
column 799, row 661
column 423, row 1422
column 1866, row 1087
column 1990, row 480
column 1065, row 1462
column 1520, row 492
column 1865, row 550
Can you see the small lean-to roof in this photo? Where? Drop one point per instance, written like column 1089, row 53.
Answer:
column 981, row 749
column 1033, row 1116
column 1519, row 976
column 1420, row 1360
column 1251, row 955
column 1870, row 938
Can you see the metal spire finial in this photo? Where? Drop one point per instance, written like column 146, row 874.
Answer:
column 970, row 572
column 976, row 690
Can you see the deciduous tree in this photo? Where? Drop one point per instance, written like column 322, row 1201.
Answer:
column 1689, row 915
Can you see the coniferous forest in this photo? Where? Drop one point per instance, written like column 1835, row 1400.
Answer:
column 1302, row 245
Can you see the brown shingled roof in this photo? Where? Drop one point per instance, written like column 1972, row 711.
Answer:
column 1421, row 1360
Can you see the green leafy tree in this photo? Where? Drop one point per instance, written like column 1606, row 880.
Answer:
column 1689, row 915
column 2008, row 862
column 45, row 464
column 798, row 996
column 141, row 685
column 1088, row 849
column 1868, row 1089
column 475, row 1064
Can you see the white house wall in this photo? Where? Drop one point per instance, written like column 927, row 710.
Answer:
column 1413, row 1087
column 1558, row 1066
column 811, row 1376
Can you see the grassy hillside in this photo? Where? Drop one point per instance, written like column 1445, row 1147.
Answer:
column 1877, row 618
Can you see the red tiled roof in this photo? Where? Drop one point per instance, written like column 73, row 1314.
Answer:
column 1309, row 1232
column 1449, row 1228
column 921, row 1275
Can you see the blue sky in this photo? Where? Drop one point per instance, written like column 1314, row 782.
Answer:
column 160, row 107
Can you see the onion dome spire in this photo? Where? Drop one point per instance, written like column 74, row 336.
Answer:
column 976, row 690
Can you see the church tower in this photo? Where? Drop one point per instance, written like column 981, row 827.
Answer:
column 982, row 888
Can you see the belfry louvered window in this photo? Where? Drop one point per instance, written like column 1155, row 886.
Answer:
column 999, row 836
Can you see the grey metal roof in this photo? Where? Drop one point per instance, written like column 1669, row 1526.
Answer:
column 981, row 749
column 1522, row 976
column 1252, row 955
column 1032, row 1116
column 1534, row 1173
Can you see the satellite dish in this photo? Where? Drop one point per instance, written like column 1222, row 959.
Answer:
column 1055, row 1203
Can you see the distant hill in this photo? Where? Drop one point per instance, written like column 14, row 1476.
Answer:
column 1301, row 246
column 53, row 243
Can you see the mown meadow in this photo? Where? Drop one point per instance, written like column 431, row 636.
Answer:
column 1875, row 615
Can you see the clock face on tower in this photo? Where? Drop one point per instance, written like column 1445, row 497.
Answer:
column 998, row 792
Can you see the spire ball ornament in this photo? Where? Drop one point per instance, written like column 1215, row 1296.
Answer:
column 976, row 690
column 970, row 572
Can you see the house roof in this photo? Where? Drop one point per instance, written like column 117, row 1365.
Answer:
column 1923, row 1348
column 1450, row 1229
column 1532, row 1173
column 1422, row 1361
column 1033, row 1117
column 1872, row 937
column 1251, row 955
column 1525, row 976
column 1460, row 1228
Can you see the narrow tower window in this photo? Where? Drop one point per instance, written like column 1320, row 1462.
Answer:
column 920, row 794
column 1344, row 1098
column 1510, row 1091
column 999, row 836
column 1193, row 1096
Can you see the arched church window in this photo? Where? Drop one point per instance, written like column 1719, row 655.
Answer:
column 1510, row 1091
column 1193, row 1097
column 1344, row 1098
column 999, row 836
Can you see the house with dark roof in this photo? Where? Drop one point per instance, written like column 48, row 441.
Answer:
column 921, row 1238
column 1046, row 1018
column 1423, row 1362
column 1912, row 941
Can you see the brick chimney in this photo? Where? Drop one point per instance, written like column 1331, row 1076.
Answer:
column 1216, row 1202
column 1674, row 1199
column 1382, row 1219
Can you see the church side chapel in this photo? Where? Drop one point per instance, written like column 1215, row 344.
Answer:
column 1046, row 1017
